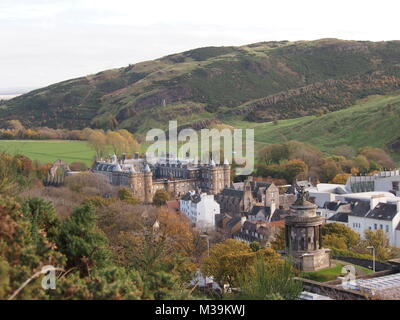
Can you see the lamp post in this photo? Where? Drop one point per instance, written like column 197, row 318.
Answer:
column 373, row 257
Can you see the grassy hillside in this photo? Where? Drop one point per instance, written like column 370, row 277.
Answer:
column 255, row 83
column 371, row 122
column 50, row 150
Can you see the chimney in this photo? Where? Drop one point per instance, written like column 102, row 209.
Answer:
column 375, row 199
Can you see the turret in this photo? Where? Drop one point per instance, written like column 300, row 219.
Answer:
column 134, row 181
column 227, row 174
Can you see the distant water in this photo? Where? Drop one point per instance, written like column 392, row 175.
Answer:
column 8, row 96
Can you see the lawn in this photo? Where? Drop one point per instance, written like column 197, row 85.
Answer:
column 332, row 273
column 324, row 275
column 50, row 150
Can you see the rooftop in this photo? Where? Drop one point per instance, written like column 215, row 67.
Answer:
column 383, row 211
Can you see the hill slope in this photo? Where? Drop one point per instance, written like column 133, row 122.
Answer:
column 257, row 82
column 372, row 122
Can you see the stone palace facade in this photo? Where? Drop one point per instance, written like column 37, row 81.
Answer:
column 176, row 176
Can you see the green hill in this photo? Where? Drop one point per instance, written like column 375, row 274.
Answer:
column 372, row 122
column 254, row 83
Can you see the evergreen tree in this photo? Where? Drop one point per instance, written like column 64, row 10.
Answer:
column 82, row 242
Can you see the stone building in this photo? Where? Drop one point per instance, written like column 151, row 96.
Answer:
column 241, row 198
column 176, row 176
column 303, row 236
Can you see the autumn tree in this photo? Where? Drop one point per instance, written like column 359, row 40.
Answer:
column 230, row 259
column 349, row 236
column 160, row 198
column 362, row 163
column 97, row 140
column 329, row 169
column 379, row 240
column 293, row 168
column 341, row 178
column 126, row 195
column 269, row 282
column 379, row 156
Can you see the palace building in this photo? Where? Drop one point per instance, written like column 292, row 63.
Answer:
column 177, row 176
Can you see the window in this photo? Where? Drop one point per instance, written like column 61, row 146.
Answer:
column 375, row 226
column 381, row 226
column 387, row 228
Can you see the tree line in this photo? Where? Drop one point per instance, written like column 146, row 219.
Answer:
column 292, row 160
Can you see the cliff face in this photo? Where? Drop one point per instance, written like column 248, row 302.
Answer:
column 258, row 82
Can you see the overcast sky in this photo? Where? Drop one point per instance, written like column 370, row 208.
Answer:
column 46, row 41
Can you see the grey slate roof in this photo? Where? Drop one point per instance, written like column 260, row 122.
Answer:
column 256, row 209
column 340, row 217
column 383, row 211
column 232, row 193
column 231, row 223
column 331, row 205
column 196, row 198
column 360, row 208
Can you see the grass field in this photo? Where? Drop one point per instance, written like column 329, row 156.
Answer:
column 50, row 150
column 332, row 273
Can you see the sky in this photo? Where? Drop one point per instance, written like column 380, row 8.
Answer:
column 47, row 41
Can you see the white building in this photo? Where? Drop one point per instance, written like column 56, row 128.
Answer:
column 387, row 181
column 326, row 192
column 200, row 209
column 372, row 213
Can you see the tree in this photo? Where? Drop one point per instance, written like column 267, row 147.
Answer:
column 329, row 169
column 275, row 153
column 231, row 259
column 222, row 265
column 126, row 195
column 116, row 142
column 279, row 242
column 131, row 145
column 82, row 242
column 270, row 282
column 362, row 163
column 383, row 250
column 379, row 156
column 349, row 236
column 16, row 126
column 255, row 246
column 23, row 251
column 9, row 182
column 160, row 198
column 335, row 241
column 43, row 217
column 341, row 178
column 293, row 168
column 112, row 283
column 97, row 140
